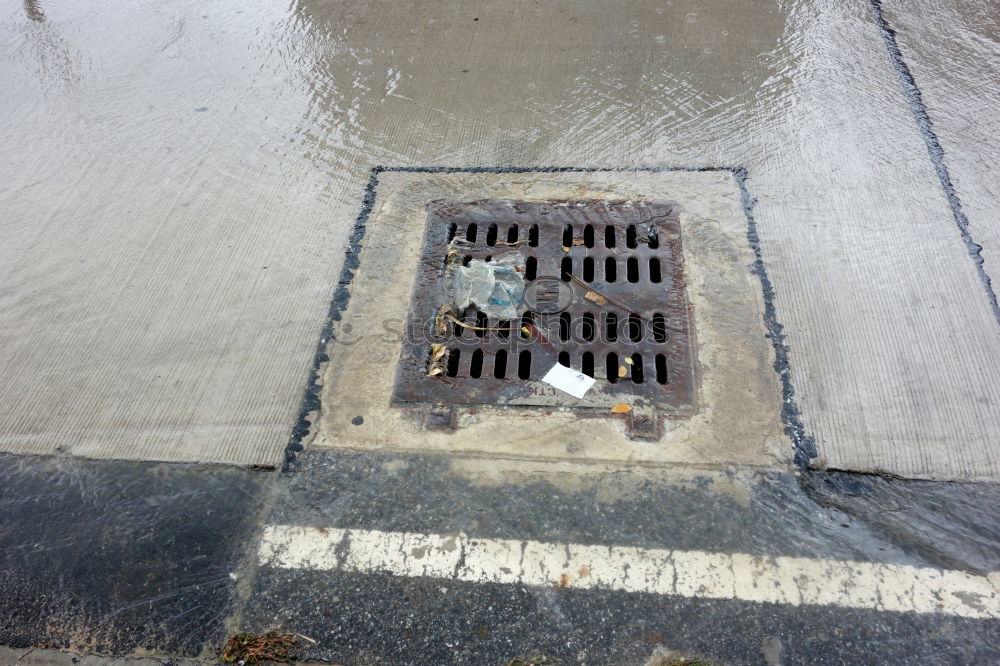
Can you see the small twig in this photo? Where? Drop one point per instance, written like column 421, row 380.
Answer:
column 523, row 240
column 609, row 299
column 26, row 654
column 448, row 315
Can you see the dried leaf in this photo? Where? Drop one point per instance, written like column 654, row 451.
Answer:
column 578, row 241
column 621, row 408
column 622, row 371
column 595, row 297
column 439, row 321
column 628, row 359
column 435, row 371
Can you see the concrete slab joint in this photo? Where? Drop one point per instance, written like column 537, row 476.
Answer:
column 739, row 413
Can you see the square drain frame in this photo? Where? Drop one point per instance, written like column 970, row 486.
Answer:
column 577, row 254
column 742, row 408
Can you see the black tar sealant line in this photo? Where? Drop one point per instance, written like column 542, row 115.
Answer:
column 804, row 446
column 310, row 399
column 912, row 93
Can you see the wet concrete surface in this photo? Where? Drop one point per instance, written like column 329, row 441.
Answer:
column 951, row 50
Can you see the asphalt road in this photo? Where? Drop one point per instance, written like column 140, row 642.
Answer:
column 120, row 558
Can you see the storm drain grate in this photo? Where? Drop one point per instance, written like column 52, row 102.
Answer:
column 604, row 295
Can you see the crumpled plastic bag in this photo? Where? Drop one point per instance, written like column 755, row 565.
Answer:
column 495, row 287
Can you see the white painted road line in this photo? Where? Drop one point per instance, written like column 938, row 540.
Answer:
column 794, row 581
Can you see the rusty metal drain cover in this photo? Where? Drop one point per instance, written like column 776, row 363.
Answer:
column 604, row 295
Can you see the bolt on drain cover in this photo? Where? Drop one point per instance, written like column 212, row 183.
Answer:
column 604, row 295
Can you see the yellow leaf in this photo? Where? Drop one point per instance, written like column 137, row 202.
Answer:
column 565, row 249
column 621, row 408
column 525, row 331
column 622, row 371
column 628, row 359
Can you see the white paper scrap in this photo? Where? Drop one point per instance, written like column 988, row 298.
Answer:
column 566, row 379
